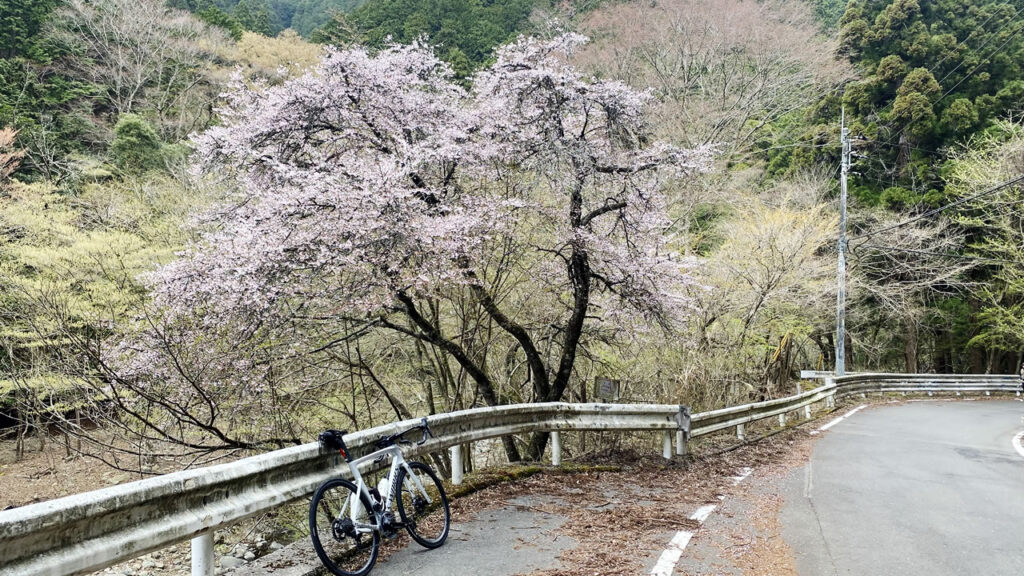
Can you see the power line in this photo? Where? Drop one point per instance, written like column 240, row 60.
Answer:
column 935, row 211
column 979, row 64
column 944, row 254
column 964, row 41
column 894, row 137
column 804, row 144
column 980, row 48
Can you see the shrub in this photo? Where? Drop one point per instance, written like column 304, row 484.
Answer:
column 136, row 147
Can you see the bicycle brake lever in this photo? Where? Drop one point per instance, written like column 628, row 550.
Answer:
column 426, row 431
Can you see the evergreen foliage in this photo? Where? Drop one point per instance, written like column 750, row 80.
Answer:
column 464, row 32
column 136, row 145
column 214, row 16
column 46, row 106
column 267, row 17
column 829, row 12
column 20, row 24
column 934, row 75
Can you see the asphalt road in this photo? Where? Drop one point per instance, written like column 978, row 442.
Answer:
column 922, row 488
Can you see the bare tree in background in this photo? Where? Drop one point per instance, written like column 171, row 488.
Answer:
column 724, row 69
column 770, row 282
column 140, row 53
column 895, row 274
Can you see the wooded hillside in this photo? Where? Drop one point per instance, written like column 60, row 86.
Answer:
column 235, row 223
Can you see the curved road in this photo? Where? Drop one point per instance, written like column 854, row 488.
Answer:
column 916, row 489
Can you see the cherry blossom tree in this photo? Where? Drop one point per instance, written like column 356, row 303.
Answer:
column 373, row 186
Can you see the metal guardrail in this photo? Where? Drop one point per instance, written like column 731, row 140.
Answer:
column 868, row 382
column 86, row 532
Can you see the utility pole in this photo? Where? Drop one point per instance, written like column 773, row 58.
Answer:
column 844, row 135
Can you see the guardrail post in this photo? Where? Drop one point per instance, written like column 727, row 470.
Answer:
column 807, row 412
column 741, row 432
column 782, row 420
column 683, row 421
column 830, row 400
column 556, row 448
column 202, row 554
column 456, row 464
column 666, row 445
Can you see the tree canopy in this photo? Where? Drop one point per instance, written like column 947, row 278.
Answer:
column 375, row 186
column 934, row 75
column 463, row 32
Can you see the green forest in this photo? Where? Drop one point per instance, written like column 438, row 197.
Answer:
column 100, row 190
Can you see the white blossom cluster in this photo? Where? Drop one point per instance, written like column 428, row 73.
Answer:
column 377, row 174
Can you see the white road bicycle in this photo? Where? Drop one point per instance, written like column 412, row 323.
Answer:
column 348, row 519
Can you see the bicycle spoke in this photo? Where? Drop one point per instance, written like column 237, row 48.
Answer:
column 346, row 545
column 423, row 505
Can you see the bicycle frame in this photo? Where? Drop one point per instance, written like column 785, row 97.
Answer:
column 397, row 460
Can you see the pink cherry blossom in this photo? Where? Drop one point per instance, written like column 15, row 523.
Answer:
column 375, row 181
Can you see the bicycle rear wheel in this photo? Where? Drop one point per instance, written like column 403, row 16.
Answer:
column 423, row 505
column 346, row 543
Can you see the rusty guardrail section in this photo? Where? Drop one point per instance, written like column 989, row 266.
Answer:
column 86, row 532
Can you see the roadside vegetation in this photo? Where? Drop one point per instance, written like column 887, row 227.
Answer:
column 226, row 225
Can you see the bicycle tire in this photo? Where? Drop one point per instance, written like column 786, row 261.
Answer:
column 430, row 520
column 332, row 531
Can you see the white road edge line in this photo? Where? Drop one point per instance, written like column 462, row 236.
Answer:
column 840, row 419
column 1018, row 443
column 666, row 563
column 670, row 557
column 703, row 512
column 743, row 476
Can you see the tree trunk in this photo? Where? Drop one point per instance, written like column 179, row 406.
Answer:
column 580, row 278
column 910, row 347
column 431, row 333
column 824, row 348
column 538, row 442
column 977, row 354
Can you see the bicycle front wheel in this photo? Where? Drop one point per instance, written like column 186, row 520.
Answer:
column 343, row 528
column 423, row 505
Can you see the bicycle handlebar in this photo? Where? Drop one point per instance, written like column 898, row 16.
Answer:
column 333, row 438
column 399, row 438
